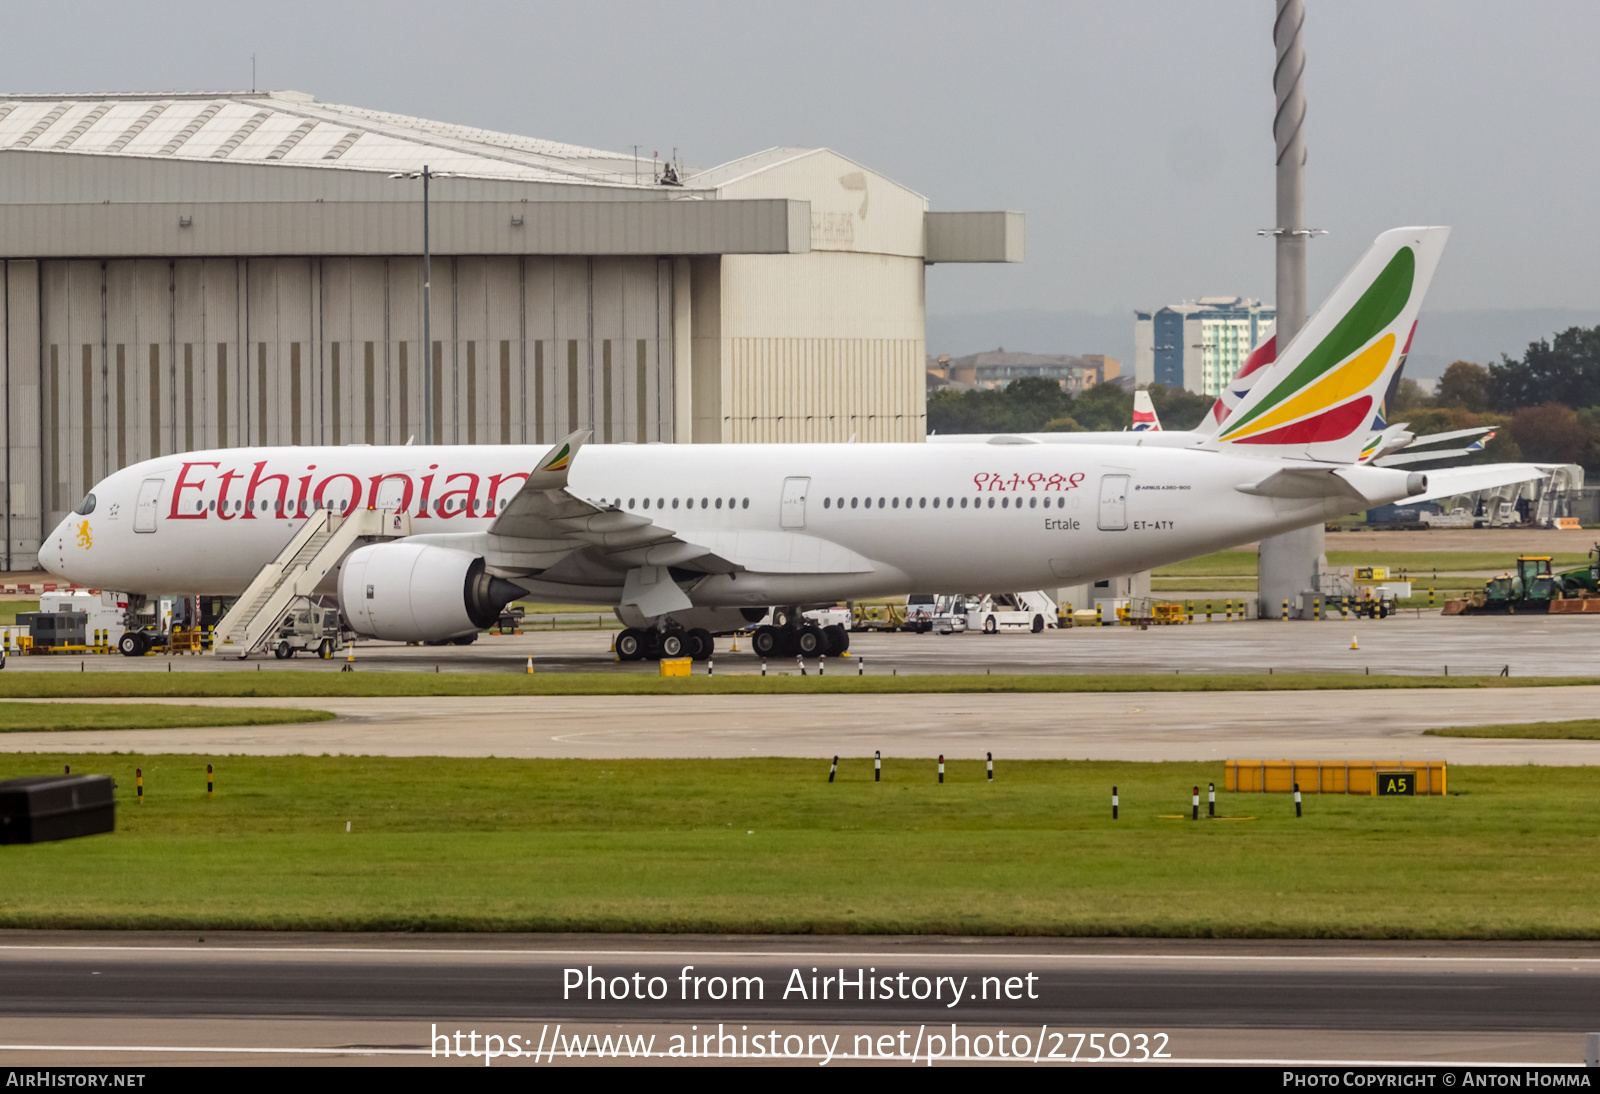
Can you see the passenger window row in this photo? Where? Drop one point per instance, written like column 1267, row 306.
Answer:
column 688, row 503
column 440, row 506
column 949, row 503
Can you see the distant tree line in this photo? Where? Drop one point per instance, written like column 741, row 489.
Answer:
column 1545, row 405
column 1036, row 404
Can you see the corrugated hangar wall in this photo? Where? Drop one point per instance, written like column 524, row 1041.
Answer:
column 115, row 361
column 144, row 357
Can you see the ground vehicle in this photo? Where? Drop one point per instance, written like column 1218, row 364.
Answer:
column 992, row 613
column 1581, row 579
column 1531, row 588
column 920, row 610
column 311, row 629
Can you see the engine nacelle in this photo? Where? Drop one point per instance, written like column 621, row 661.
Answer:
column 415, row 592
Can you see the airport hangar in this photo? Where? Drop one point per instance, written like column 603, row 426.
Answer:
column 191, row 271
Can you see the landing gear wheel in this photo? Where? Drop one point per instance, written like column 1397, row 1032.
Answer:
column 699, row 644
column 325, row 649
column 808, row 642
column 671, row 645
column 1038, row 624
column 989, row 626
column 835, row 640
column 631, row 645
column 781, row 618
column 129, row 645
column 283, row 652
column 765, row 642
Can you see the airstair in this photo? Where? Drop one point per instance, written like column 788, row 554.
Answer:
column 297, row 571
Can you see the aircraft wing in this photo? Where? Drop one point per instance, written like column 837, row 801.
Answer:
column 546, row 520
column 1400, row 459
column 548, row 529
column 1464, row 480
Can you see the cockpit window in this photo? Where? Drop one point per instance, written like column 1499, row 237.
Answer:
column 86, row 506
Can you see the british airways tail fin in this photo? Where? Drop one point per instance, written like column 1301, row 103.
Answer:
column 1317, row 400
column 1144, row 413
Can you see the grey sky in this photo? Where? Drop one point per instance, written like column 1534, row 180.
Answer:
column 1136, row 136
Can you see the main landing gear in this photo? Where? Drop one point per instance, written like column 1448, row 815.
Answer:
column 635, row 644
column 792, row 635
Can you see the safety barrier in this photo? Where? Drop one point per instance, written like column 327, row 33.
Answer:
column 1327, row 776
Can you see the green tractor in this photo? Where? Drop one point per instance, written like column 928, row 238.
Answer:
column 1582, row 579
column 1531, row 588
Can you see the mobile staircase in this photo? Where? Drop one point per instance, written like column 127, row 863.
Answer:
column 297, row 571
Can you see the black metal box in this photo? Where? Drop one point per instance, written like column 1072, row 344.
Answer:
column 50, row 807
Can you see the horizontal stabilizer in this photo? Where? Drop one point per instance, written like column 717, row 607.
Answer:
column 1467, row 480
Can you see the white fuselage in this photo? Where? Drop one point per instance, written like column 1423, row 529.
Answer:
column 945, row 517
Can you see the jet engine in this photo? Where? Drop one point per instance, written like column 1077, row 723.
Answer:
column 415, row 592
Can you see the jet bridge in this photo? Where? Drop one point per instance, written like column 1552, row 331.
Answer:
column 297, row 571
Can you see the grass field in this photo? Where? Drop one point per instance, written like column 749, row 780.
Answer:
column 10, row 608
column 332, row 682
column 766, row 845
column 1578, row 729
column 21, row 717
column 1418, row 563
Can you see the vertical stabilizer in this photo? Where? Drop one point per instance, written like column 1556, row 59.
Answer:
column 1318, row 400
column 1144, row 413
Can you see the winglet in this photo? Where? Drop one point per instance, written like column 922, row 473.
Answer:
column 551, row 472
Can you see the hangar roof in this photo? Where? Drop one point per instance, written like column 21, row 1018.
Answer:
column 293, row 129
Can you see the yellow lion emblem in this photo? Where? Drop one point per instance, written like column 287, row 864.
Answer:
column 85, row 539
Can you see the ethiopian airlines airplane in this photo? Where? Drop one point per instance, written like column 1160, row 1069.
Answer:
column 688, row 540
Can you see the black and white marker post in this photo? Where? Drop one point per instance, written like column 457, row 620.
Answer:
column 941, row 768
column 833, row 769
column 877, row 766
column 990, row 762
column 1297, row 799
column 1195, row 805
column 1211, row 800
column 1113, row 803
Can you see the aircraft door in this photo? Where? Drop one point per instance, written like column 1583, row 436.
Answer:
column 793, row 509
column 392, row 492
column 1113, row 503
column 144, row 510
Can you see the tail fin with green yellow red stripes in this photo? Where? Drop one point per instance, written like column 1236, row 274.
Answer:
column 1317, row 402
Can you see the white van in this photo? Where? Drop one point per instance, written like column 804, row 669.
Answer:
column 992, row 613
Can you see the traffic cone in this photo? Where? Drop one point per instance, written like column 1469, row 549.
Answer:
column 1353, row 644
column 530, row 666
column 350, row 662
